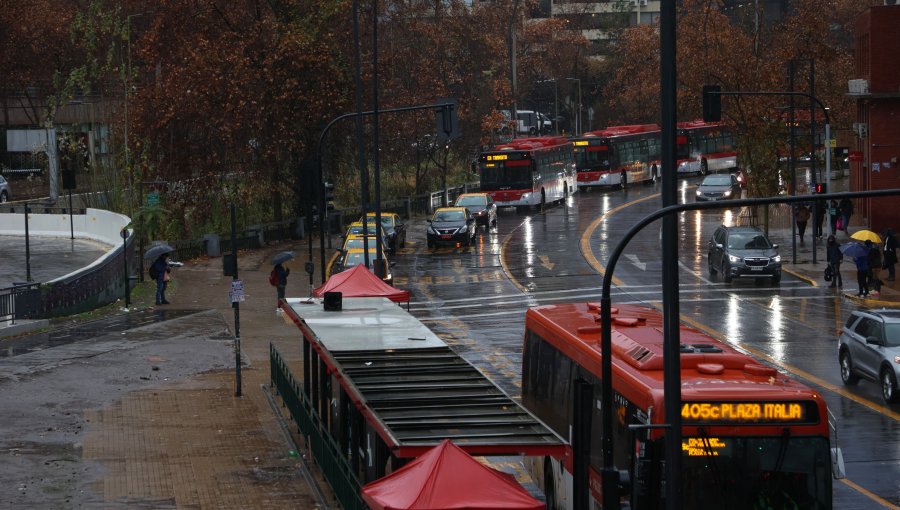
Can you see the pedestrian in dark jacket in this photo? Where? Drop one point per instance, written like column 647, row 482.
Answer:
column 282, row 273
column 801, row 215
column 820, row 218
column 874, row 261
column 160, row 269
column 862, row 274
column 846, row 207
column 834, row 212
column 834, row 259
column 889, row 258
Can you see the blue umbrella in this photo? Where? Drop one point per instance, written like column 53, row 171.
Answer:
column 854, row 250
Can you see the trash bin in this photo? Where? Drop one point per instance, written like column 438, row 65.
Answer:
column 212, row 245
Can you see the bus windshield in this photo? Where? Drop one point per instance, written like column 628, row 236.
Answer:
column 755, row 472
column 497, row 176
column 592, row 160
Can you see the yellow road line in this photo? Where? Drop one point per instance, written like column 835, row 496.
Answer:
column 878, row 499
column 505, row 266
column 586, row 238
column 798, row 372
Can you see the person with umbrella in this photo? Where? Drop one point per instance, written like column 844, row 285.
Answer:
column 860, row 254
column 280, row 273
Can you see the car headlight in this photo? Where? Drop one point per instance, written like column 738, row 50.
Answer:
column 776, row 258
column 699, row 192
column 431, row 230
column 897, row 360
column 480, row 213
column 732, row 258
column 727, row 193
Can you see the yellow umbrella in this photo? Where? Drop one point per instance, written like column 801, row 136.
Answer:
column 866, row 235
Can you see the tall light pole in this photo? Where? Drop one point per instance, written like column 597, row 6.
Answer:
column 578, row 118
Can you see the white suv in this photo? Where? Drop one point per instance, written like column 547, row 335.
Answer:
column 869, row 347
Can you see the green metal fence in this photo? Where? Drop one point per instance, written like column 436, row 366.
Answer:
column 325, row 450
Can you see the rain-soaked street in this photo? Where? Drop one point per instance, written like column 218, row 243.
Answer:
column 476, row 298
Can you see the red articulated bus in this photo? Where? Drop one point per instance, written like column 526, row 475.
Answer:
column 618, row 155
column 752, row 437
column 528, row 172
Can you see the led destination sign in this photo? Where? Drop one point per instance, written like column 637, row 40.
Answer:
column 749, row 412
column 497, row 157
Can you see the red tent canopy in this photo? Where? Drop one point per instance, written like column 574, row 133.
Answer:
column 358, row 281
column 447, row 478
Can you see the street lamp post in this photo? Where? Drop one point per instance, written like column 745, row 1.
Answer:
column 127, row 93
column 578, row 118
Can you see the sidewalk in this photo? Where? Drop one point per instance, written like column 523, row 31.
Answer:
column 194, row 444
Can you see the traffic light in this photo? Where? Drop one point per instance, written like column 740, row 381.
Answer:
column 820, row 188
column 712, row 103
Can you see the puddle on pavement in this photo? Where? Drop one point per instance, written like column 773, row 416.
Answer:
column 92, row 329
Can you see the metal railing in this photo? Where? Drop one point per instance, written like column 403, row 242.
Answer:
column 19, row 302
column 246, row 242
column 187, row 249
column 325, row 451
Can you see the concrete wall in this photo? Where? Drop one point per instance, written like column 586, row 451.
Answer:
column 96, row 224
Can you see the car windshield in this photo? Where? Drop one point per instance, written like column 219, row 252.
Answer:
column 892, row 334
column 356, row 258
column 358, row 229
column 716, row 180
column 386, row 220
column 748, row 241
column 449, row 216
column 472, row 200
column 358, row 243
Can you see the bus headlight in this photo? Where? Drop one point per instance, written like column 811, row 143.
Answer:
column 525, row 196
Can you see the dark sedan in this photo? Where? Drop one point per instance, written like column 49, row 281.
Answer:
column 394, row 229
column 482, row 207
column 718, row 187
column 451, row 225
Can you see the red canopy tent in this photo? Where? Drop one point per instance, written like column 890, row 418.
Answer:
column 448, row 478
column 358, row 281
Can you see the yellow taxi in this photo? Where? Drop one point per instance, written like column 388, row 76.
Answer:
column 394, row 229
column 355, row 256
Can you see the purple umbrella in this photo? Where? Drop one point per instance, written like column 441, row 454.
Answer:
column 854, row 250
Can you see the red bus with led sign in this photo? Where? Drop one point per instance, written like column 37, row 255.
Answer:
column 618, row 155
column 528, row 172
column 764, row 435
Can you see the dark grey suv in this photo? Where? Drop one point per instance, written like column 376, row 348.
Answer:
column 743, row 252
column 869, row 347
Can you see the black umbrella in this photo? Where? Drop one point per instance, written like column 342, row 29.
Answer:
column 854, row 249
column 282, row 257
column 156, row 250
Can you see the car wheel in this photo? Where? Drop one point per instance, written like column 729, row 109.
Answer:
column 888, row 386
column 709, row 265
column 430, row 243
column 726, row 273
column 847, row 375
column 4, row 198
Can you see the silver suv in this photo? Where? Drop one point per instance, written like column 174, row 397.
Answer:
column 743, row 252
column 869, row 347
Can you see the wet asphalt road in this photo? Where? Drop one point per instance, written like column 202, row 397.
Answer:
column 475, row 298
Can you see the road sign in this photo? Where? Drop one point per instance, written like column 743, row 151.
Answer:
column 152, row 199
column 832, row 143
column 236, row 294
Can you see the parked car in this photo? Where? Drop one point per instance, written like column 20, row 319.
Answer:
column 394, row 229
column 482, row 207
column 451, row 225
column 718, row 187
column 359, row 241
column 4, row 190
column 356, row 256
column 869, row 347
column 743, row 252
column 356, row 229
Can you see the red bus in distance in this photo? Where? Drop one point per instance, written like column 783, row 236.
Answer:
column 618, row 155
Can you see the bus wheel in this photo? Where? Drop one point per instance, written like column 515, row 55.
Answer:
column 549, row 487
column 704, row 167
column 623, row 180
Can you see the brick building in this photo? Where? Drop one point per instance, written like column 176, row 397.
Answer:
column 874, row 163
